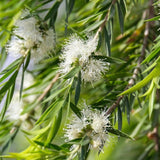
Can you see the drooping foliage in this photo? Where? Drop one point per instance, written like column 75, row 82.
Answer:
column 75, row 75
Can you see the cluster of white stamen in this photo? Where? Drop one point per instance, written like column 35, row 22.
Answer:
column 78, row 52
column 15, row 109
column 29, row 35
column 93, row 123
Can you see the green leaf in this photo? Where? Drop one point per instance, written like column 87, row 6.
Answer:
column 69, row 7
column 76, row 110
column 118, row 132
column 154, row 18
column 22, row 81
column 107, row 40
column 84, row 151
column 53, row 108
column 93, row 26
column 128, row 109
column 10, row 140
column 29, row 107
column 50, row 146
column 74, row 141
column 151, row 101
column 78, row 89
column 121, row 17
column 7, row 102
column 119, row 118
column 55, row 93
column 139, row 126
column 123, row 6
column 154, row 73
column 145, row 153
column 11, row 66
column 109, row 59
column 54, row 127
column 27, row 61
column 10, row 82
column 72, row 72
column 154, row 53
column 52, row 14
column 7, row 74
column 71, row 4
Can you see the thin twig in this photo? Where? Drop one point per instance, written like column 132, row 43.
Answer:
column 48, row 88
column 105, row 20
column 141, row 58
column 153, row 135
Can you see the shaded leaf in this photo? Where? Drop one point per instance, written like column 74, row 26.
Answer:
column 11, row 66
column 109, row 59
column 72, row 72
column 7, row 102
column 76, row 110
column 121, row 17
column 119, row 118
column 54, row 127
column 78, row 89
column 151, row 101
column 10, row 82
column 118, row 132
column 154, row 73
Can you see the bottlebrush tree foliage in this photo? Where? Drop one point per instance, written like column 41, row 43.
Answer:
column 79, row 79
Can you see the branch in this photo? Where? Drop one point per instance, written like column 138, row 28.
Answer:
column 141, row 58
column 48, row 88
column 153, row 135
column 105, row 20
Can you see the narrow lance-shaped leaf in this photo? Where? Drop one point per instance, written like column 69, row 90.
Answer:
column 107, row 40
column 78, row 89
column 121, row 17
column 151, row 101
column 50, row 146
column 11, row 66
column 76, row 110
column 145, row 153
column 149, row 91
column 27, row 61
column 147, row 79
column 53, row 108
column 118, row 132
column 56, row 122
column 22, row 81
column 7, row 74
column 69, row 7
column 52, row 14
column 84, row 149
column 24, row 67
column 10, row 140
column 55, row 93
column 109, row 59
column 119, row 118
column 7, row 102
column 128, row 109
column 72, row 72
column 154, row 53
column 10, row 82
column 139, row 126
column 123, row 6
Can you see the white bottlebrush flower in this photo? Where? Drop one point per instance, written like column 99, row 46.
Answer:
column 78, row 52
column 15, row 109
column 30, row 35
column 92, row 124
column 28, row 81
column 93, row 69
